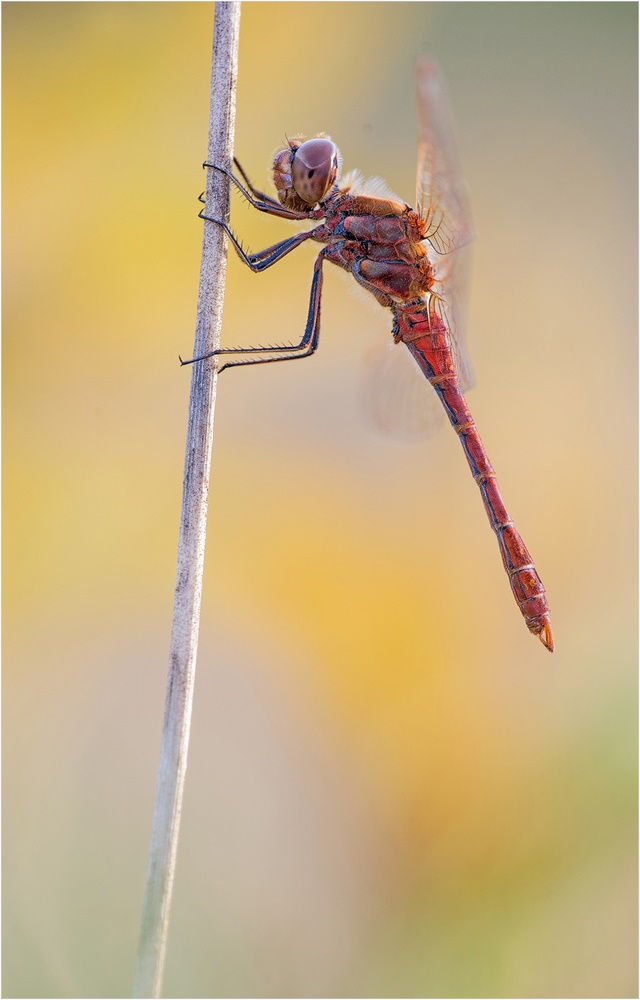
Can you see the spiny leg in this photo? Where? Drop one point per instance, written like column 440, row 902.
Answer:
column 268, row 205
column 258, row 195
column 262, row 259
column 304, row 349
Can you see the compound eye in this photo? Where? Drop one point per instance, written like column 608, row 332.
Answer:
column 314, row 168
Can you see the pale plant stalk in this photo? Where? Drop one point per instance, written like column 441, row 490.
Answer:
column 186, row 613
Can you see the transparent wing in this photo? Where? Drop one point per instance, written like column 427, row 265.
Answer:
column 395, row 396
column 441, row 194
column 398, row 398
column 443, row 202
column 395, row 391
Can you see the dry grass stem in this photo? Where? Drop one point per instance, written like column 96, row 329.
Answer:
column 186, row 616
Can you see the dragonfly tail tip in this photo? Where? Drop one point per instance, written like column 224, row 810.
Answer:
column 545, row 636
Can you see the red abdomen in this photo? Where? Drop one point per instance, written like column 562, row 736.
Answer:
column 427, row 338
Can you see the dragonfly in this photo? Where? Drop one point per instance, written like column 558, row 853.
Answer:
column 408, row 259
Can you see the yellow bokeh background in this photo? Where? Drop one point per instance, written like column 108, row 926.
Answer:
column 393, row 790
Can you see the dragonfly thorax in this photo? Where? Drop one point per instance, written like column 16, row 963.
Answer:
column 305, row 172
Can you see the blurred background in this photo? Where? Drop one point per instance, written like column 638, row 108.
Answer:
column 393, row 789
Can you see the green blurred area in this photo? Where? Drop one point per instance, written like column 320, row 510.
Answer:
column 393, row 790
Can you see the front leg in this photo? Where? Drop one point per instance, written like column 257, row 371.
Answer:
column 259, row 195
column 262, row 203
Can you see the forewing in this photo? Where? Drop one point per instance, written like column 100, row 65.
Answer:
column 396, row 393
column 441, row 194
column 443, row 202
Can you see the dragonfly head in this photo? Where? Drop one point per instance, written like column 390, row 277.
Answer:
column 305, row 171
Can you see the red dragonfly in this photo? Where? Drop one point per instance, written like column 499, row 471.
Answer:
column 406, row 259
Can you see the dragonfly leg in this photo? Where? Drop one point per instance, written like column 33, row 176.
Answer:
column 263, row 258
column 258, row 195
column 264, row 203
column 290, row 352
